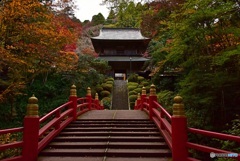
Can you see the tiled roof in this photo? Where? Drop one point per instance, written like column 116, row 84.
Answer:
column 120, row 34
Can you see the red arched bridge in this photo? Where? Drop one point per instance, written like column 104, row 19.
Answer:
column 81, row 130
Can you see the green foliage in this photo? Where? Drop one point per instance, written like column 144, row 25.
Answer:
column 133, row 78
column 106, row 102
column 234, row 129
column 99, row 88
column 132, row 98
column 107, row 87
column 132, row 84
column 132, row 93
column 109, row 82
column 138, row 90
column 98, row 19
column 105, row 94
column 10, row 138
column 131, row 88
column 140, row 78
column 109, row 79
column 165, row 98
column 145, row 83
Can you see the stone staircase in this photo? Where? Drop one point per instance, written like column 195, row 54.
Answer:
column 108, row 140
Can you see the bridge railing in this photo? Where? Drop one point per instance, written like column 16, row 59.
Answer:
column 175, row 131
column 38, row 132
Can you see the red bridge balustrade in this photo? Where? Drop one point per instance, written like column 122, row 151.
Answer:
column 175, row 131
column 38, row 132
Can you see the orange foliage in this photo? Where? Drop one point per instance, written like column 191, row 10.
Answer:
column 33, row 40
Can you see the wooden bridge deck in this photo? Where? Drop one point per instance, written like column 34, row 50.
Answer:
column 115, row 115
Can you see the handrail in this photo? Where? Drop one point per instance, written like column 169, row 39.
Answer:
column 53, row 112
column 215, row 134
column 11, row 130
column 11, row 145
column 157, row 105
column 38, row 132
column 174, row 128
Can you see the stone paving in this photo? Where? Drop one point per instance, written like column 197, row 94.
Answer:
column 120, row 95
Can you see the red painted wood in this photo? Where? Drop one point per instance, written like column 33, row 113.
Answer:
column 44, row 142
column 73, row 106
column 152, row 99
column 192, row 159
column 53, row 122
column 42, row 119
column 142, row 101
column 17, row 158
column 165, row 134
column 13, row 130
column 204, row 148
column 16, row 144
column 157, row 105
column 30, row 138
column 179, row 138
column 89, row 102
column 215, row 134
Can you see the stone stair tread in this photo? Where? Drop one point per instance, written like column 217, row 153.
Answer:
column 73, row 152
column 137, row 159
column 110, row 125
column 107, row 133
column 112, row 139
column 126, row 145
column 64, row 158
column 112, row 129
column 108, row 139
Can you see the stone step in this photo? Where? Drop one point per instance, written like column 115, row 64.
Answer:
column 107, row 138
column 116, row 145
column 72, row 158
column 109, row 133
column 108, row 152
column 112, row 129
column 96, row 139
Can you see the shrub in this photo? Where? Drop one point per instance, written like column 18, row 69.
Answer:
column 138, row 90
column 109, row 82
column 132, row 98
column 132, row 84
column 165, row 98
column 131, row 88
column 132, row 93
column 133, row 78
column 140, row 78
column 145, row 83
column 107, row 102
column 132, row 104
column 107, row 87
column 99, row 88
column 105, row 93
column 109, row 79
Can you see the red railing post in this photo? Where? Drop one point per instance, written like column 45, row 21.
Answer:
column 179, row 131
column 143, row 97
column 89, row 98
column 101, row 105
column 73, row 98
column 31, row 131
column 97, row 102
column 152, row 98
